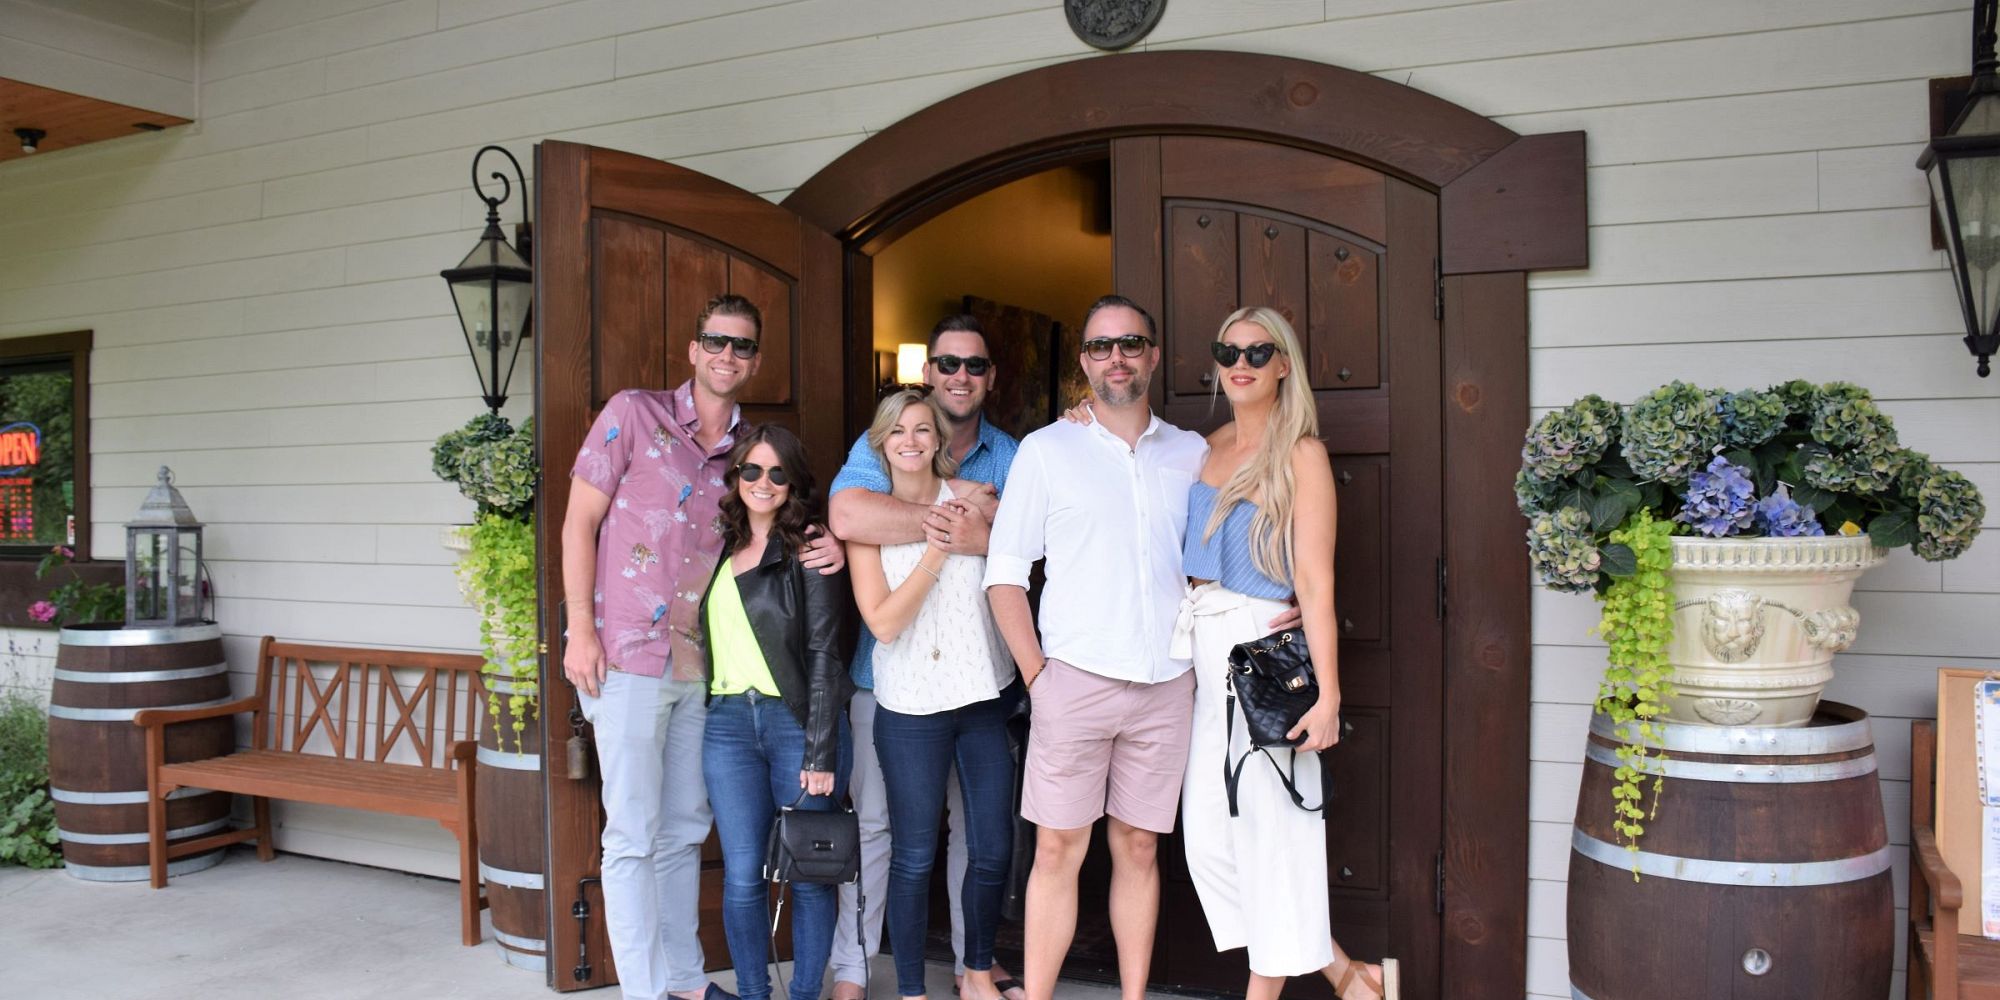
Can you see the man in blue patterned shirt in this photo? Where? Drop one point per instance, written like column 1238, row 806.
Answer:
column 960, row 374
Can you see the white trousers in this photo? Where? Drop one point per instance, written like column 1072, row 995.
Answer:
column 648, row 734
column 1261, row 875
column 871, row 804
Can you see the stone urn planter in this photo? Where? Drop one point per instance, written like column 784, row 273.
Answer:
column 1757, row 622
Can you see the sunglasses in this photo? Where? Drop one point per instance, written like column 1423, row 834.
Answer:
column 713, row 343
column 1226, row 354
column 974, row 366
column 1130, row 345
column 750, row 472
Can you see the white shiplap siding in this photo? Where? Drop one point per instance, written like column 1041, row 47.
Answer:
column 134, row 52
column 269, row 322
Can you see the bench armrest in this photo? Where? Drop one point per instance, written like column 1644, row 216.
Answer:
column 151, row 717
column 464, row 751
column 1950, row 894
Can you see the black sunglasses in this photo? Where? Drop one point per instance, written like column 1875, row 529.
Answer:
column 750, row 472
column 713, row 343
column 975, row 366
column 1226, row 354
column 1130, row 345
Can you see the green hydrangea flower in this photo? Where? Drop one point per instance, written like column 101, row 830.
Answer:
column 1751, row 417
column 1844, row 414
column 1949, row 511
column 1670, row 431
column 1535, row 496
column 448, row 454
column 1562, row 550
column 492, row 464
column 1566, row 441
column 1798, row 396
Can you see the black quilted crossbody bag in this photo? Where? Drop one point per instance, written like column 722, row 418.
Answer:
column 1273, row 680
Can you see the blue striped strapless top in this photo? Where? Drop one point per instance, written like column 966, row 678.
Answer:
column 1226, row 556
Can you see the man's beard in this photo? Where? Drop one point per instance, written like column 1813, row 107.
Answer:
column 945, row 401
column 1133, row 391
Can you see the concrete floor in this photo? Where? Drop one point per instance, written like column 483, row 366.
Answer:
column 297, row 928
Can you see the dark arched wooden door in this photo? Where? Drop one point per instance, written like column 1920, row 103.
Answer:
column 628, row 250
column 1349, row 255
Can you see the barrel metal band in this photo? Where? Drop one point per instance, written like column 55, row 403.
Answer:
column 140, row 873
column 140, row 676
column 1743, row 773
column 140, row 636
column 509, row 760
column 502, row 876
column 140, row 837
column 522, row 943
column 1771, row 873
column 126, row 714
column 117, row 798
column 1577, row 994
column 1763, row 740
column 525, row 960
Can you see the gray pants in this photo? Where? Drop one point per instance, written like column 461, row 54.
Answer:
column 871, row 803
column 656, row 817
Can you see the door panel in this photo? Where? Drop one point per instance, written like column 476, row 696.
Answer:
column 1347, row 254
column 629, row 250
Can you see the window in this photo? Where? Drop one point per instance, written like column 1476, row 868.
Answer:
column 44, row 433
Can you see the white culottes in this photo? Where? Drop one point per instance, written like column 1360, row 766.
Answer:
column 1261, row 875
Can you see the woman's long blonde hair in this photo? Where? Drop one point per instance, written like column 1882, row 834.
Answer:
column 1266, row 479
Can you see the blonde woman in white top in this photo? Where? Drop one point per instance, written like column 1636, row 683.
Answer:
column 944, row 687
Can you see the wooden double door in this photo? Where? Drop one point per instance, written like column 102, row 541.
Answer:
column 630, row 248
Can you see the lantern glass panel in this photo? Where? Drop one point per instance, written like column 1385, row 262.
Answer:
column 187, row 584
column 146, row 573
column 1975, row 193
column 493, row 306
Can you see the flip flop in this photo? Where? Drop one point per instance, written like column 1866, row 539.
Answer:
column 1007, row 987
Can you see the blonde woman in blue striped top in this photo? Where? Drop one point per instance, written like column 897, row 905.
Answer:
column 1260, row 533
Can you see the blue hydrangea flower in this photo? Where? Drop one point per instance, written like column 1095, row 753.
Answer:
column 1780, row 516
column 1719, row 500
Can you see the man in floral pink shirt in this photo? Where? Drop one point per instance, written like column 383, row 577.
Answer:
column 640, row 542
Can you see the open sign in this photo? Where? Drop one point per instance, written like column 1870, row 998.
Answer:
column 20, row 447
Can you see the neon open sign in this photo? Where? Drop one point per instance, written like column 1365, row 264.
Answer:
column 20, row 447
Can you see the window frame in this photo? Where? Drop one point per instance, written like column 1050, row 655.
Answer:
column 73, row 347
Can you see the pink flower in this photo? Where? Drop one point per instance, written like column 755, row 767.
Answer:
column 67, row 552
column 42, row 611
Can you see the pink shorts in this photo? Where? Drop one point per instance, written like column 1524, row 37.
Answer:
column 1099, row 746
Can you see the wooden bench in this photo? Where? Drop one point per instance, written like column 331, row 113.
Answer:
column 324, row 722
column 1941, row 962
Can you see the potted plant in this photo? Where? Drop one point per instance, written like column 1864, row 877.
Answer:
column 493, row 464
column 1722, row 532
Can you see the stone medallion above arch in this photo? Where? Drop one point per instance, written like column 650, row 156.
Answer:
column 1508, row 202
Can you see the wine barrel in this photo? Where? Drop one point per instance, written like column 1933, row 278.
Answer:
column 97, row 758
column 1764, row 874
column 512, row 831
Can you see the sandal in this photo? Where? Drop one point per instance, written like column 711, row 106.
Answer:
column 1011, row 989
column 1386, row 984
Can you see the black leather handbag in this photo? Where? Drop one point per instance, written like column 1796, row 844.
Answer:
column 1273, row 680
column 814, row 846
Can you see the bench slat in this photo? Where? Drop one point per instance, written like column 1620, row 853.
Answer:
column 401, row 789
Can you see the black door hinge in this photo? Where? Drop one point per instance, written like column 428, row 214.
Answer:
column 1441, row 600
column 1437, row 286
column 1437, row 892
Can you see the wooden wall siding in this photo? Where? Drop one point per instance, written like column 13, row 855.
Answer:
column 269, row 321
column 141, row 53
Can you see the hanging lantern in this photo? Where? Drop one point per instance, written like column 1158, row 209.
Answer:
column 494, row 289
column 1964, row 170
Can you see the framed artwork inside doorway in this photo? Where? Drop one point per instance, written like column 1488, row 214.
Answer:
column 1027, row 347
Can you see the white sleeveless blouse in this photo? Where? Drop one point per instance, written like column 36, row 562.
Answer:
column 951, row 655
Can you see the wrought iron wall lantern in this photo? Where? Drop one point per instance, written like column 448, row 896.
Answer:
column 1963, row 165
column 494, row 287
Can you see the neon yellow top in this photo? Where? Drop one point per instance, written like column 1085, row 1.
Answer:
column 736, row 660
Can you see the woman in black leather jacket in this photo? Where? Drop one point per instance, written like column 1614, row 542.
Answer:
column 779, row 638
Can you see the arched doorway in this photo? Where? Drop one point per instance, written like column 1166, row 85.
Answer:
column 1397, row 227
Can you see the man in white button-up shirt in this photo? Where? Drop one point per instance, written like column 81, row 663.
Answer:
column 1105, row 503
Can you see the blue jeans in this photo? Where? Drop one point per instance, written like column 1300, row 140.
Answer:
column 917, row 754
column 751, row 755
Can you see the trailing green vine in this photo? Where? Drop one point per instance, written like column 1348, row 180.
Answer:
column 1637, row 623
column 499, row 577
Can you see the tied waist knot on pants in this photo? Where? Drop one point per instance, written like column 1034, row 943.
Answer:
column 1261, row 875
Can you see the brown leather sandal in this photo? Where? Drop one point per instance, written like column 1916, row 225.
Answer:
column 1352, row 975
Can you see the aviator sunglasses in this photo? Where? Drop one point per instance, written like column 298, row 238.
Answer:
column 974, row 366
column 713, row 343
column 1130, row 345
column 750, row 472
column 1226, row 354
